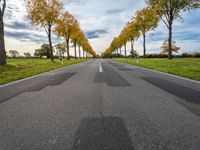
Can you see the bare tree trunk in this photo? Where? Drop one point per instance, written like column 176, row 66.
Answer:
column 75, row 50
column 2, row 43
column 170, row 40
column 120, row 50
column 79, row 49
column 144, row 44
column 132, row 48
column 83, row 53
column 67, row 41
column 50, row 43
column 125, row 50
column 170, row 22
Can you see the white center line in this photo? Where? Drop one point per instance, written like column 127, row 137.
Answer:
column 100, row 69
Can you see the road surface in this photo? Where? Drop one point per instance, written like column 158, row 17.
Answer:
column 100, row 105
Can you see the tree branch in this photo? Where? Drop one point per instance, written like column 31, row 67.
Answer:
column 165, row 22
column 46, row 30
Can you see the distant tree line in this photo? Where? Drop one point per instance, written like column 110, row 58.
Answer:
column 15, row 54
column 60, row 50
column 183, row 55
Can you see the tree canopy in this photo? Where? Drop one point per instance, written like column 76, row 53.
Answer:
column 147, row 19
column 169, row 10
column 68, row 28
column 44, row 13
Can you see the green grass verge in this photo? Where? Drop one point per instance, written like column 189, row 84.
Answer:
column 184, row 67
column 22, row 68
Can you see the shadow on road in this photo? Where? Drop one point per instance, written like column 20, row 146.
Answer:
column 192, row 97
column 106, row 133
column 188, row 94
column 53, row 80
column 33, row 84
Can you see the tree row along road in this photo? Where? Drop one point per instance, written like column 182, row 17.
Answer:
column 52, row 18
column 148, row 19
column 97, row 105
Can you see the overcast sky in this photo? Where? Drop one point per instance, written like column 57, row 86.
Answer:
column 101, row 20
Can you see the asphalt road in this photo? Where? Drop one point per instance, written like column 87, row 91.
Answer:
column 100, row 105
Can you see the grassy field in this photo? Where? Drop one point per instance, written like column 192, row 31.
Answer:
column 21, row 68
column 184, row 67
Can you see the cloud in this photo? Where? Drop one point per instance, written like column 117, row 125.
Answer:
column 76, row 2
column 13, row 8
column 114, row 11
column 18, row 25
column 26, row 37
column 187, row 36
column 95, row 33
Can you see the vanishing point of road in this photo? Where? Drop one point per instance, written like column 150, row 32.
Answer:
column 100, row 105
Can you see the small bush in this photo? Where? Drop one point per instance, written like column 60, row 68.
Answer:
column 196, row 54
column 190, row 55
column 156, row 56
column 184, row 55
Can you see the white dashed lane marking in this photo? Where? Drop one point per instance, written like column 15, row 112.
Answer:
column 100, row 67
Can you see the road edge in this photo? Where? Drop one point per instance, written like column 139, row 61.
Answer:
column 176, row 76
column 24, row 79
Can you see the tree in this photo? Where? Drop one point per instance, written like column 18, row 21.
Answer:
column 64, row 28
column 14, row 53
column 169, row 10
column 27, row 54
column 61, row 49
column 129, row 33
column 43, row 51
column 47, row 49
column 134, row 54
column 2, row 41
column 124, row 38
column 44, row 13
column 75, row 37
column 165, row 47
column 146, row 20
column 39, row 53
column 79, row 41
column 133, row 33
